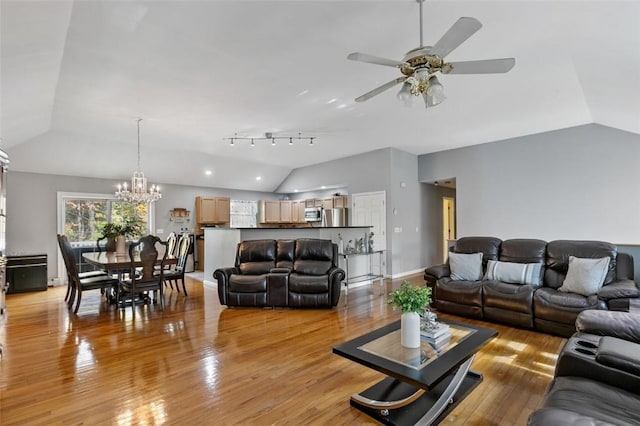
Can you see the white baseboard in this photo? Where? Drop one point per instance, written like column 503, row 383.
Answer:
column 406, row 273
column 212, row 284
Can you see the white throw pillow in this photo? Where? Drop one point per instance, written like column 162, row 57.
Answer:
column 465, row 267
column 585, row 276
column 515, row 273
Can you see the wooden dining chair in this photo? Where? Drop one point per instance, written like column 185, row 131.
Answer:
column 149, row 278
column 84, row 282
column 177, row 273
column 70, row 295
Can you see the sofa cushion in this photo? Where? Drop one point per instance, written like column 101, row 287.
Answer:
column 313, row 256
column 515, row 273
column 599, row 401
column 460, row 292
column 248, row 283
column 284, row 253
column 510, row 297
column 585, row 276
column 488, row 246
column 559, row 251
column 562, row 307
column 256, row 256
column 308, row 283
column 465, row 267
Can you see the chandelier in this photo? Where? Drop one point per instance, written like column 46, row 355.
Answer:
column 138, row 192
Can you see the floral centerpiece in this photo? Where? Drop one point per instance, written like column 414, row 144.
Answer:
column 128, row 228
column 412, row 300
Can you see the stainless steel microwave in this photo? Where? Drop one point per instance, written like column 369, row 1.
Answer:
column 313, row 214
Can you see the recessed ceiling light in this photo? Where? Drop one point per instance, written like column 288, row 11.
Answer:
column 341, row 106
column 304, row 92
column 208, row 172
column 295, row 190
column 258, row 177
column 323, row 187
column 330, row 101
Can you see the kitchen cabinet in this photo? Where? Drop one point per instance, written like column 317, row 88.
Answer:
column 297, row 211
column 285, row 212
column 271, row 212
column 327, row 203
column 213, row 210
column 340, row 202
column 310, row 202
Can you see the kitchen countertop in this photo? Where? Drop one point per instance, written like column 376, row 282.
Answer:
column 298, row 227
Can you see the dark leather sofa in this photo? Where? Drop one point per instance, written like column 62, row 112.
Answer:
column 282, row 273
column 597, row 376
column 542, row 306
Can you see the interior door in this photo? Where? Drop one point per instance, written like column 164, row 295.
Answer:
column 369, row 209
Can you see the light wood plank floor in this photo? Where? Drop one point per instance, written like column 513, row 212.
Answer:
column 201, row 363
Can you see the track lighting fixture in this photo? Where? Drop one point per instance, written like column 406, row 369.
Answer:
column 269, row 137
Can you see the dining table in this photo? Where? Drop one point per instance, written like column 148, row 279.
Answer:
column 120, row 263
column 115, row 262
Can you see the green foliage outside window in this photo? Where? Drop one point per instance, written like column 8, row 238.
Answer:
column 86, row 218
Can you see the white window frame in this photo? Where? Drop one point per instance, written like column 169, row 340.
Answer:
column 63, row 196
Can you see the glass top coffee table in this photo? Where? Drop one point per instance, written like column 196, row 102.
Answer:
column 424, row 383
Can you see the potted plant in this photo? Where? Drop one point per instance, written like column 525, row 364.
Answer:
column 411, row 300
column 117, row 232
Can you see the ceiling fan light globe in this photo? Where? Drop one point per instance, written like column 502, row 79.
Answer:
column 435, row 91
column 404, row 95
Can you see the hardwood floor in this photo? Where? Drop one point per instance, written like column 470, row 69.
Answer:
column 201, row 363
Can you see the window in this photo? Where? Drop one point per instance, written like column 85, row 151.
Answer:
column 84, row 215
column 244, row 214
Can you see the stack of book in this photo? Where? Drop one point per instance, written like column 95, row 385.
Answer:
column 438, row 336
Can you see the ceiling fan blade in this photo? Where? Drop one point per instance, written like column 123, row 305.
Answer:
column 363, row 57
column 487, row 66
column 380, row 89
column 457, row 34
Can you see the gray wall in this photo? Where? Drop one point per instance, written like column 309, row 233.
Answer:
column 32, row 208
column 380, row 170
column 576, row 183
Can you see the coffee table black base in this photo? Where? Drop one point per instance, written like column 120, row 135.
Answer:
column 393, row 389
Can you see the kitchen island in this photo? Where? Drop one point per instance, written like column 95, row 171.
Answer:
column 220, row 243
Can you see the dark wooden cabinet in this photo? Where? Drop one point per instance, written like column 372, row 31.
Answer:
column 26, row 273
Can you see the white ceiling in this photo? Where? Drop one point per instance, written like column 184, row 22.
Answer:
column 75, row 74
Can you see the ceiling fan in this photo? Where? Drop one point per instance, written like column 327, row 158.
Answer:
column 420, row 65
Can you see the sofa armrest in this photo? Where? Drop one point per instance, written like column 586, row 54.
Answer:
column 619, row 354
column 620, row 289
column 280, row 271
column 222, row 275
column 623, row 325
column 336, row 277
column 438, row 271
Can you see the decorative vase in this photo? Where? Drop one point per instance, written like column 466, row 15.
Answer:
column 410, row 330
column 121, row 245
column 111, row 245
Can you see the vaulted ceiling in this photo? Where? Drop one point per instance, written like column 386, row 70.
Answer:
column 75, row 74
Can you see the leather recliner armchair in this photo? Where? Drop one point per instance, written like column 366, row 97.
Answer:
column 597, row 377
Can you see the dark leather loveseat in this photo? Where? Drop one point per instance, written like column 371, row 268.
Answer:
column 282, row 273
column 538, row 305
column 597, row 376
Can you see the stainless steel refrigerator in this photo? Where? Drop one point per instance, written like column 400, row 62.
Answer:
column 336, row 217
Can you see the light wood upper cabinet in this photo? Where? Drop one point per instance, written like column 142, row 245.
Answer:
column 297, row 211
column 213, row 210
column 285, row 212
column 340, row 202
column 327, row 203
column 271, row 212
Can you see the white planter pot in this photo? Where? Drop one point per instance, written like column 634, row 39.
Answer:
column 410, row 330
column 121, row 245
